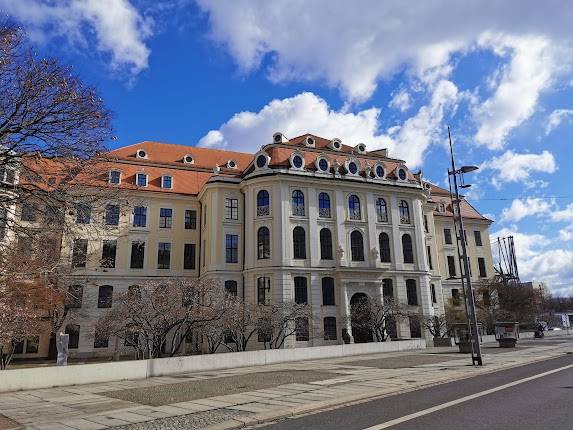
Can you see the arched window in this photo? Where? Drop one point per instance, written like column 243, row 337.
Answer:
column 299, row 243
column 325, row 244
column 328, row 296
column 263, row 207
column 384, row 242
column 329, row 328
column 263, row 243
column 105, row 295
column 407, row 249
column 231, row 288
column 356, row 246
column 381, row 210
column 324, row 205
column 404, row 212
column 354, row 207
column 298, row 203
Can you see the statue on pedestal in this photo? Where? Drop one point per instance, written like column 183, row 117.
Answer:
column 62, row 341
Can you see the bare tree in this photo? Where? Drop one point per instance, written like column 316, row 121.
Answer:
column 277, row 322
column 156, row 317
column 436, row 325
column 377, row 317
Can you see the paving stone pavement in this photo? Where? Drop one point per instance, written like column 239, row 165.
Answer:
column 172, row 402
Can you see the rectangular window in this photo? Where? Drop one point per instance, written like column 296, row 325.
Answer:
column 430, row 265
column 387, row 290
column 105, row 296
column 231, row 209
column 189, row 256
column 79, row 252
column 301, row 327
column 330, row 328
column 73, row 331
column 481, row 266
column 83, row 213
column 163, row 255
column 112, row 215
column 231, row 288
column 109, row 250
column 141, row 180
column 300, row 290
column 29, row 212
column 3, row 222
column 328, row 294
column 451, row 266
column 232, row 248
column 166, row 182
column 190, row 219
column 415, row 327
column 448, row 236
column 433, row 293
column 137, row 254
column 114, row 177
column 455, row 297
column 165, row 218
column 263, row 286
column 32, row 344
column 54, row 215
column 139, row 216
column 411, row 292
column 74, row 297
column 477, row 237
column 100, row 340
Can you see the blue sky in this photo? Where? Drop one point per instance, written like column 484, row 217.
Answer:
column 229, row 74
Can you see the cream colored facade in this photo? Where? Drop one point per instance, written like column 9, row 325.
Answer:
column 228, row 205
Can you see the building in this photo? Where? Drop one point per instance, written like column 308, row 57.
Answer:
column 307, row 219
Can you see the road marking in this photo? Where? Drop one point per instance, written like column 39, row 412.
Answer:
column 463, row 399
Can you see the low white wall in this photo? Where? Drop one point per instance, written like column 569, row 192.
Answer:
column 46, row 377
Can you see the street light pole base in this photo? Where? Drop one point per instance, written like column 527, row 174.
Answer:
column 477, row 360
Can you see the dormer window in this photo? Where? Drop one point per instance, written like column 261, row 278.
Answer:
column 231, row 164
column 309, row 141
column 262, row 160
column 379, row 171
column 114, row 177
column 401, row 173
column 297, row 161
column 441, row 207
column 188, row 159
column 335, row 144
column 167, row 182
column 352, row 167
column 141, row 179
column 322, row 164
column 141, row 153
column 279, row 138
column 360, row 148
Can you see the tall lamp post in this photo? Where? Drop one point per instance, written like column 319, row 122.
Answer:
column 453, row 176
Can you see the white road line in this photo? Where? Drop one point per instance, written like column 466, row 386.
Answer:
column 462, row 400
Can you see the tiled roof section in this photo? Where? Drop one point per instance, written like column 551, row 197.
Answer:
column 280, row 157
column 53, row 173
column 442, row 196
column 167, row 153
column 319, row 143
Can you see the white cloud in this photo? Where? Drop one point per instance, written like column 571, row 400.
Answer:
column 522, row 80
column 556, row 118
column 520, row 209
column 566, row 233
column 536, row 260
column 341, row 45
column 303, row 113
column 119, row 28
column 514, row 167
column 308, row 113
column 563, row 214
column 401, row 101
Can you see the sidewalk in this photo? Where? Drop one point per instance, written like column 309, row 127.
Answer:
column 237, row 397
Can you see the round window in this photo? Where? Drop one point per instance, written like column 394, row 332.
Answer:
column 232, row 164
column 402, row 174
column 141, row 153
column 323, row 164
column 336, row 145
column 310, row 141
column 352, row 167
column 380, row 171
column 188, row 159
column 297, row 161
column 261, row 161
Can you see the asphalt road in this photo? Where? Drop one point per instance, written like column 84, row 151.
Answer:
column 542, row 403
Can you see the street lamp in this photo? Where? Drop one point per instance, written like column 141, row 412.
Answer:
column 463, row 253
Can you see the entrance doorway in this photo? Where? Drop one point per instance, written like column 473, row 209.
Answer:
column 360, row 333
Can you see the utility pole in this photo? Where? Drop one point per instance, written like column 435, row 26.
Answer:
column 461, row 238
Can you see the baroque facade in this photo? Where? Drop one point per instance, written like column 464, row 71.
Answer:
column 307, row 219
